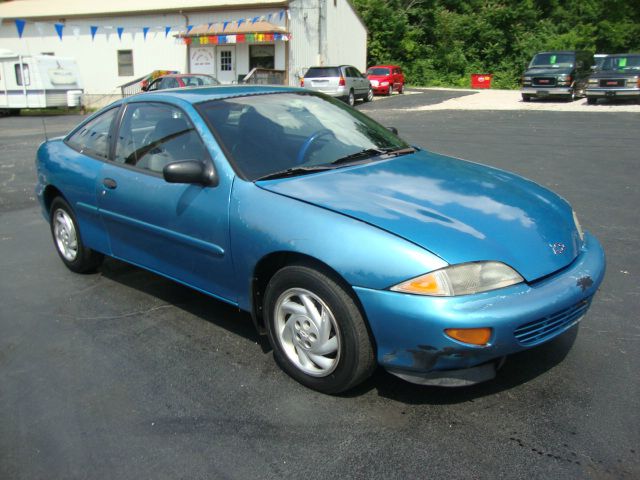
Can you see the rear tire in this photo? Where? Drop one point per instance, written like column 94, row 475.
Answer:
column 401, row 89
column 351, row 98
column 67, row 240
column 317, row 332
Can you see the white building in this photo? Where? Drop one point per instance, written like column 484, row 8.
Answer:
column 117, row 41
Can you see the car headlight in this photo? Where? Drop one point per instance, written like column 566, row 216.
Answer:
column 526, row 79
column 384, row 84
column 593, row 81
column 463, row 279
column 578, row 227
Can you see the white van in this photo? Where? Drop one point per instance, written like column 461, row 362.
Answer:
column 38, row 81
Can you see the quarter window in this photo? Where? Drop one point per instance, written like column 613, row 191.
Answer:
column 152, row 135
column 125, row 63
column 94, row 137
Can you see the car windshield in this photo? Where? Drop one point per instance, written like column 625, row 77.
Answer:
column 199, row 80
column 378, row 71
column 271, row 133
column 626, row 63
column 553, row 60
column 315, row 72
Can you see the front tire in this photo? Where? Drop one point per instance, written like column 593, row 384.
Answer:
column 317, row 332
column 369, row 96
column 592, row 100
column 351, row 98
column 526, row 98
column 67, row 240
column 390, row 92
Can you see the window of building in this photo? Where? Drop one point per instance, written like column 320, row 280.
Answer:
column 50, row 54
column 22, row 74
column 225, row 61
column 125, row 63
column 261, row 56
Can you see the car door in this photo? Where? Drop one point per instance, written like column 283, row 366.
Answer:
column 178, row 230
column 89, row 149
column 362, row 84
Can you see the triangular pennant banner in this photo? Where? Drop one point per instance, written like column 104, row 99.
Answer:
column 189, row 28
column 120, row 30
column 94, row 30
column 59, row 29
column 281, row 14
column 225, row 25
column 240, row 22
column 254, row 20
column 166, row 31
column 145, row 31
column 20, row 26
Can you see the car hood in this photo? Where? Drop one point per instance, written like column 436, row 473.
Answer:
column 614, row 74
column 458, row 210
column 542, row 71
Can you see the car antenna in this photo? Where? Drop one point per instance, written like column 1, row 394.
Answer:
column 44, row 127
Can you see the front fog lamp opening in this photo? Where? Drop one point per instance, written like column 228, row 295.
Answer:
column 472, row 336
column 462, row 279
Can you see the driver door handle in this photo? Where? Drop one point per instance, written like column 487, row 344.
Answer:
column 109, row 183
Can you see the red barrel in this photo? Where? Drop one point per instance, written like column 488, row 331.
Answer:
column 481, row 80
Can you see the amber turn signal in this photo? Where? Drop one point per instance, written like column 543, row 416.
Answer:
column 474, row 336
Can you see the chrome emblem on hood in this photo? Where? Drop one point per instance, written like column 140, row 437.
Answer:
column 558, row 248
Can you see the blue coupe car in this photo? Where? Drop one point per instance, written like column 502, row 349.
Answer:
column 349, row 247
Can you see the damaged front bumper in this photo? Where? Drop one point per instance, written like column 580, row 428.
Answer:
column 409, row 329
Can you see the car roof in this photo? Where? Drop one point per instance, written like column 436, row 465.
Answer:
column 202, row 94
column 384, row 66
column 623, row 54
column 184, row 75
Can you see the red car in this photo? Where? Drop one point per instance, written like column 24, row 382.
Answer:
column 385, row 79
column 179, row 80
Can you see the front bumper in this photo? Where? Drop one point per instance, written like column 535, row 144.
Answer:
column 613, row 92
column 547, row 91
column 409, row 329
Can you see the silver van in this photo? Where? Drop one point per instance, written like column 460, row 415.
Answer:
column 344, row 81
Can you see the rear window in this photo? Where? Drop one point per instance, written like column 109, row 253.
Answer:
column 315, row 72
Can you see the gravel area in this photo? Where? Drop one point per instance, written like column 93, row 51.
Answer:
column 511, row 100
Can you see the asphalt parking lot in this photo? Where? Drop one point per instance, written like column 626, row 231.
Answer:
column 124, row 374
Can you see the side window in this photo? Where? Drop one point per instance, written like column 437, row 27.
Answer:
column 94, row 137
column 22, row 74
column 170, row 82
column 153, row 135
column 154, row 85
column 125, row 63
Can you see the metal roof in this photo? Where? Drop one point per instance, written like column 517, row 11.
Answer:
column 27, row 9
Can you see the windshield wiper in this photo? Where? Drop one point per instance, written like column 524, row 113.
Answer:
column 374, row 152
column 291, row 172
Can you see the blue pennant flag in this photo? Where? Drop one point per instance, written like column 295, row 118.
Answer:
column 281, row 14
column 189, row 28
column 120, row 30
column 209, row 27
column 166, row 31
column 269, row 17
column 145, row 30
column 94, row 30
column 240, row 22
column 59, row 29
column 254, row 20
column 20, row 26
column 224, row 25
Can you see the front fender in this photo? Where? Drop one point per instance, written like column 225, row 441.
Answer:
column 264, row 222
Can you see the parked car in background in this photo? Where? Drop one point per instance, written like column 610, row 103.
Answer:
column 180, row 80
column 349, row 247
column 385, row 79
column 561, row 74
column 619, row 77
column 344, row 82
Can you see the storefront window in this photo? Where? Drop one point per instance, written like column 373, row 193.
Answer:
column 261, row 56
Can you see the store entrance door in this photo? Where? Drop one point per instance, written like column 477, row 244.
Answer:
column 226, row 71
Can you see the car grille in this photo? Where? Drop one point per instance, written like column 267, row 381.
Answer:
column 609, row 82
column 543, row 82
column 540, row 330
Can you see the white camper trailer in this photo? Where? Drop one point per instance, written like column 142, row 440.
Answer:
column 38, row 81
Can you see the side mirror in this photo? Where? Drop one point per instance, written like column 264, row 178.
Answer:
column 393, row 129
column 190, row 171
column 144, row 88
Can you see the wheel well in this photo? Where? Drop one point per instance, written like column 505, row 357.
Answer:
column 269, row 265
column 50, row 193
